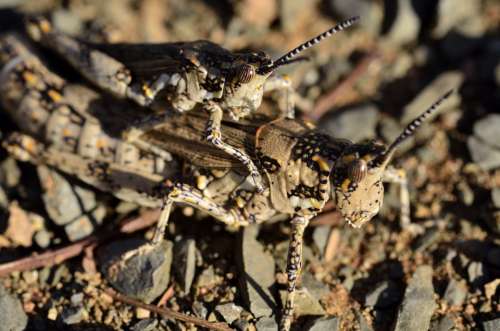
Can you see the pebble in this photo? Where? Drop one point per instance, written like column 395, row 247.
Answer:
column 443, row 324
column 493, row 325
column 208, row 278
column 320, row 237
column 73, row 315
column 256, row 273
column 229, row 311
column 10, row 174
column 432, row 92
column 405, row 26
column 185, row 263
column 495, row 197
column 465, row 193
column 138, row 269
column 486, row 129
column 42, row 238
column 464, row 18
column 323, row 324
column 418, row 304
column 384, row 295
column 266, row 324
column 455, row 293
column 354, row 123
column 12, row 315
column 486, row 156
column 306, row 304
column 149, row 324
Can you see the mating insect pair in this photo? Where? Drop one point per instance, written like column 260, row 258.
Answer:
column 303, row 169
column 181, row 76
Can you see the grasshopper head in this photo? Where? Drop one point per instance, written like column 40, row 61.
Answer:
column 250, row 71
column 357, row 174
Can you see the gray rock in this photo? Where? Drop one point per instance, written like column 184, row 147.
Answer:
column 10, row 174
column 76, row 299
column 495, row 197
column 439, row 86
column 185, row 263
column 320, row 237
column 487, row 129
column 486, row 156
column 317, row 288
column 42, row 238
column 385, row 294
column 324, row 324
column 464, row 19
column 149, row 324
column 406, row 25
column 73, row 315
column 11, row 3
column 200, row 309
column 256, row 273
column 455, row 293
column 84, row 225
column 476, row 273
column 443, row 324
column 12, row 315
column 266, row 324
column 229, row 311
column 208, row 278
column 67, row 21
column 138, row 269
column 354, row 123
column 306, row 304
column 493, row 325
column 418, row 304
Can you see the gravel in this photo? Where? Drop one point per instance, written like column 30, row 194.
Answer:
column 12, row 315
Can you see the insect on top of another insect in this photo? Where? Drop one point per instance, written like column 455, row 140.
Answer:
column 181, row 75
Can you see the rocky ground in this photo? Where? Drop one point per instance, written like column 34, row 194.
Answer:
column 362, row 84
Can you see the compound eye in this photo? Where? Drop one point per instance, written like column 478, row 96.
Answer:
column 244, row 73
column 357, row 170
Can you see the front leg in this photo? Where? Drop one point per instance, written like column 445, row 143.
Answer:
column 214, row 136
column 398, row 176
column 286, row 96
column 293, row 268
column 191, row 196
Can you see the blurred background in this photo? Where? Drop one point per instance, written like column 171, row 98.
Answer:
column 364, row 83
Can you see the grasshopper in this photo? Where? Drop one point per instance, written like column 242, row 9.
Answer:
column 303, row 168
column 181, row 76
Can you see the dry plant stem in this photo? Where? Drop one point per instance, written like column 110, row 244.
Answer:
column 165, row 312
column 53, row 257
column 329, row 99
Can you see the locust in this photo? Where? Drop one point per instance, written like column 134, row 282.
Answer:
column 303, row 168
column 182, row 76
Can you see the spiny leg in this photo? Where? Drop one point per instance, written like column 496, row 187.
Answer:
column 293, row 268
column 286, row 96
column 214, row 136
column 183, row 193
column 398, row 176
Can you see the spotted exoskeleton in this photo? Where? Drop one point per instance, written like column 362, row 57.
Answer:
column 182, row 76
column 303, row 168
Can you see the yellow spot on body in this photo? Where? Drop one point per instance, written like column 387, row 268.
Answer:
column 345, row 184
column 315, row 203
column 201, row 182
column 100, row 143
column 45, row 26
column 349, row 158
column 147, row 91
column 240, row 202
column 323, row 165
column 54, row 95
column 66, row 132
column 29, row 78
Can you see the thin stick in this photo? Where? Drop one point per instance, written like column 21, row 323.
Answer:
column 57, row 256
column 328, row 101
column 168, row 313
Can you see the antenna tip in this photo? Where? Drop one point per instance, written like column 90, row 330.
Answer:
column 448, row 94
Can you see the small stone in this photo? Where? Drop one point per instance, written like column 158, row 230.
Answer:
column 320, row 237
column 476, row 274
column 266, row 324
column 465, row 193
column 10, row 174
column 354, row 123
column 449, row 17
column 418, row 304
column 486, row 156
column 185, row 263
column 42, row 238
column 12, row 315
column 323, row 324
column 142, row 313
column 493, row 325
column 256, row 273
column 495, row 197
column 432, row 92
column 76, row 299
column 455, row 293
column 384, row 295
column 73, row 315
column 406, row 24
column 208, row 278
column 138, row 269
column 486, row 129
column 66, row 21
column 229, row 311
column 149, row 324
column 443, row 324
column 317, row 288
column 52, row 314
